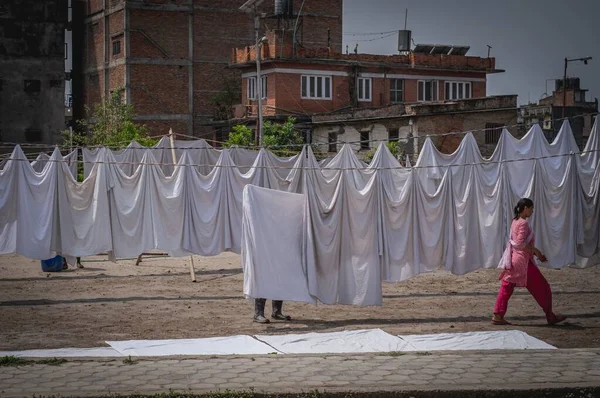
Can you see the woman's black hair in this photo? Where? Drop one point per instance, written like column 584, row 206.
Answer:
column 523, row 203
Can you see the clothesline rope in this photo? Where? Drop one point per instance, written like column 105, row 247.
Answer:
column 489, row 162
column 425, row 136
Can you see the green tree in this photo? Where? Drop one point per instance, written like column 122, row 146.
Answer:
column 240, row 135
column 282, row 138
column 225, row 99
column 112, row 127
column 393, row 146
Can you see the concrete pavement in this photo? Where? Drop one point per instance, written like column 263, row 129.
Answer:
column 475, row 371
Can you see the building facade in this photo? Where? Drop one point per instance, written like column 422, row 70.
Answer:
column 365, row 99
column 324, row 81
column 32, row 70
column 410, row 124
column 549, row 110
column 171, row 57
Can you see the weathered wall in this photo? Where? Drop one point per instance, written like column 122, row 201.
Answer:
column 426, row 122
column 32, row 77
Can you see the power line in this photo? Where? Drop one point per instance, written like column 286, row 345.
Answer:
column 417, row 137
column 369, row 33
column 377, row 38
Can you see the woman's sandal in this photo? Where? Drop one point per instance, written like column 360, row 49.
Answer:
column 500, row 322
column 556, row 319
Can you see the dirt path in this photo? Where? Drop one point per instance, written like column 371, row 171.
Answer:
column 156, row 300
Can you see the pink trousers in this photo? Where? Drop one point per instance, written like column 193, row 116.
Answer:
column 537, row 286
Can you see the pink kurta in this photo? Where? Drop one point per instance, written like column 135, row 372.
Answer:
column 520, row 259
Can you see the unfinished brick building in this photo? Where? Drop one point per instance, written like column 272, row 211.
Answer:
column 172, row 57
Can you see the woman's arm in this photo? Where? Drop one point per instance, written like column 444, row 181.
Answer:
column 521, row 235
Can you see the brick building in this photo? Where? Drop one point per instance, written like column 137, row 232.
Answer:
column 171, row 57
column 366, row 98
column 32, row 70
column 323, row 80
column 578, row 109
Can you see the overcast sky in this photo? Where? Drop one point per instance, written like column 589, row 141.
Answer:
column 529, row 38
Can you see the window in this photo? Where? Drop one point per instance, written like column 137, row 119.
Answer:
column 364, row 140
column 364, row 89
column 394, row 135
column 116, row 47
column 492, row 133
column 458, row 90
column 32, row 86
column 428, row 90
column 396, row 91
column 332, row 142
column 316, row 87
column 252, row 87
column 263, row 88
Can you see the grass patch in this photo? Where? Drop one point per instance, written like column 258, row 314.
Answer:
column 14, row 361
column 52, row 362
column 392, row 353
column 129, row 361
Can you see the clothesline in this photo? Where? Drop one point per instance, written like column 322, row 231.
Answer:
column 362, row 226
column 420, row 136
column 316, row 168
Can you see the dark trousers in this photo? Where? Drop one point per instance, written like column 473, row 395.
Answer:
column 259, row 306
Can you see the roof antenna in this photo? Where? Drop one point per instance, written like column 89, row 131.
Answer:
column 405, row 18
column 489, row 49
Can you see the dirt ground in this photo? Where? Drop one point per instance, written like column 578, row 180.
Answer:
column 157, row 300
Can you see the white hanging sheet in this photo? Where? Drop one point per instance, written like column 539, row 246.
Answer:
column 83, row 212
column 363, row 224
column 264, row 275
column 28, row 206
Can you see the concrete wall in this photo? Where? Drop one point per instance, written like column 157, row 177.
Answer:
column 412, row 137
column 32, row 77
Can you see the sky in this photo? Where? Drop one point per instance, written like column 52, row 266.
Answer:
column 529, row 38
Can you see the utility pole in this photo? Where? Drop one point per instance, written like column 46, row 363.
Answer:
column 250, row 6
column 258, row 49
column 567, row 60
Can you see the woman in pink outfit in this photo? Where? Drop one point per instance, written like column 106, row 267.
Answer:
column 520, row 269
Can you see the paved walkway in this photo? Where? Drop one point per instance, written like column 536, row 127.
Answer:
column 465, row 370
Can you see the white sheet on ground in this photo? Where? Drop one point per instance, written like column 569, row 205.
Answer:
column 372, row 340
column 496, row 340
column 350, row 341
column 232, row 345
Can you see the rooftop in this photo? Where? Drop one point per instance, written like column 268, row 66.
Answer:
column 433, row 57
column 486, row 104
